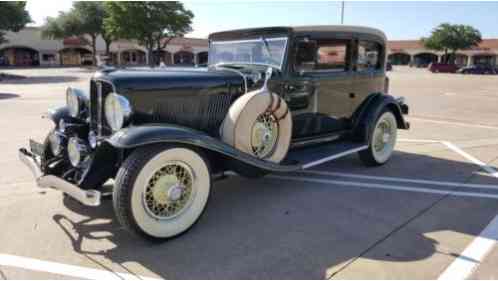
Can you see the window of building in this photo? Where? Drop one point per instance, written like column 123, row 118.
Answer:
column 369, row 56
column 48, row 57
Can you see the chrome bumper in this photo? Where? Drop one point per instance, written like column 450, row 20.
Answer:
column 87, row 197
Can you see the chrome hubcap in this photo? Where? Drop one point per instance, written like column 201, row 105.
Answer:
column 169, row 190
column 264, row 135
column 382, row 136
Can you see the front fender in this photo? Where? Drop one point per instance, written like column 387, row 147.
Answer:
column 133, row 137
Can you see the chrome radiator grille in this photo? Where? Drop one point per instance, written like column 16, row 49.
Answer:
column 98, row 92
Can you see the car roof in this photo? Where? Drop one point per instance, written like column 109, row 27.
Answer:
column 299, row 31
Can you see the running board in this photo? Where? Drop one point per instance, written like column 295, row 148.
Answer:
column 319, row 154
column 307, row 157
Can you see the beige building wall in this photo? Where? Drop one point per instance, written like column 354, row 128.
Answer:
column 55, row 52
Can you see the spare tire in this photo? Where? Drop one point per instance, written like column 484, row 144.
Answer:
column 259, row 123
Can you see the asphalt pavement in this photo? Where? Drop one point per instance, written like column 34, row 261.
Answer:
column 429, row 213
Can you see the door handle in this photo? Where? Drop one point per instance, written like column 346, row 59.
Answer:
column 352, row 95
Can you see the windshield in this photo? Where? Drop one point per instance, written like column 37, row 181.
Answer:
column 262, row 51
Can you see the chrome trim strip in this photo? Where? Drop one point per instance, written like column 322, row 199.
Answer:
column 87, row 197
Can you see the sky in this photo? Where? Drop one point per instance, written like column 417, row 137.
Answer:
column 399, row 20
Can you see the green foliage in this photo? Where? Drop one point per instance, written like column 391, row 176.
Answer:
column 84, row 19
column 13, row 17
column 150, row 23
column 452, row 37
column 64, row 25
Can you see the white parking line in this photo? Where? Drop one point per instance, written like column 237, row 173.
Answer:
column 333, row 157
column 454, row 123
column 398, row 179
column 419, row 140
column 386, row 186
column 465, row 264
column 65, row 269
column 490, row 170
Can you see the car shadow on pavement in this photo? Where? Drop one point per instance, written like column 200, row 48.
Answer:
column 272, row 229
column 4, row 96
column 41, row 80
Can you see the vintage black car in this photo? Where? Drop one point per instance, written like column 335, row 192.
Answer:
column 276, row 99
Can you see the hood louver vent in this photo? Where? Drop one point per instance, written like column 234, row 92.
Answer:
column 203, row 113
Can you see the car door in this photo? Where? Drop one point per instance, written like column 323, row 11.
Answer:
column 368, row 71
column 322, row 87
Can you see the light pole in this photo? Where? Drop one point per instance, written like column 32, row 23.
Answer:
column 342, row 13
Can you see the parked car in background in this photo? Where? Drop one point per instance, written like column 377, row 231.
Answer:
column 443, row 68
column 3, row 61
column 478, row 69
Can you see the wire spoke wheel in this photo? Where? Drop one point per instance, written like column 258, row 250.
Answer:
column 169, row 190
column 161, row 190
column 264, row 135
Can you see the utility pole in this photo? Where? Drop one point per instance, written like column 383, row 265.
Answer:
column 342, row 13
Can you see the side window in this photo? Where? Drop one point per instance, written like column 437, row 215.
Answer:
column 323, row 56
column 332, row 56
column 369, row 56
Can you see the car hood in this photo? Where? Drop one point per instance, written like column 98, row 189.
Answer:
column 163, row 79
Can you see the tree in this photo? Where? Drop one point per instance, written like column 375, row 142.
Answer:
column 85, row 19
column 13, row 17
column 452, row 37
column 152, row 24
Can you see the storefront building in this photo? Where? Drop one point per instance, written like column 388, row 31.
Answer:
column 405, row 52
column 28, row 48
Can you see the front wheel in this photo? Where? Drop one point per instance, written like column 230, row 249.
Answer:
column 382, row 140
column 161, row 191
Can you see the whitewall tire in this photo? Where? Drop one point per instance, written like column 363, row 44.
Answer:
column 161, row 191
column 382, row 140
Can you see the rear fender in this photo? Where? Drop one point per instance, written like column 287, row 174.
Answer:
column 370, row 110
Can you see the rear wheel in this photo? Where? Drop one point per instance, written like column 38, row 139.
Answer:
column 161, row 191
column 382, row 140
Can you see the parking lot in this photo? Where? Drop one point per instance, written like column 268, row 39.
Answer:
column 430, row 213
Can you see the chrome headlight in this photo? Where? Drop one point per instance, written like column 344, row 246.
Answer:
column 76, row 151
column 55, row 140
column 75, row 100
column 117, row 111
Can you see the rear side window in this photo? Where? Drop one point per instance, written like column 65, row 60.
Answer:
column 332, row 56
column 369, row 56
